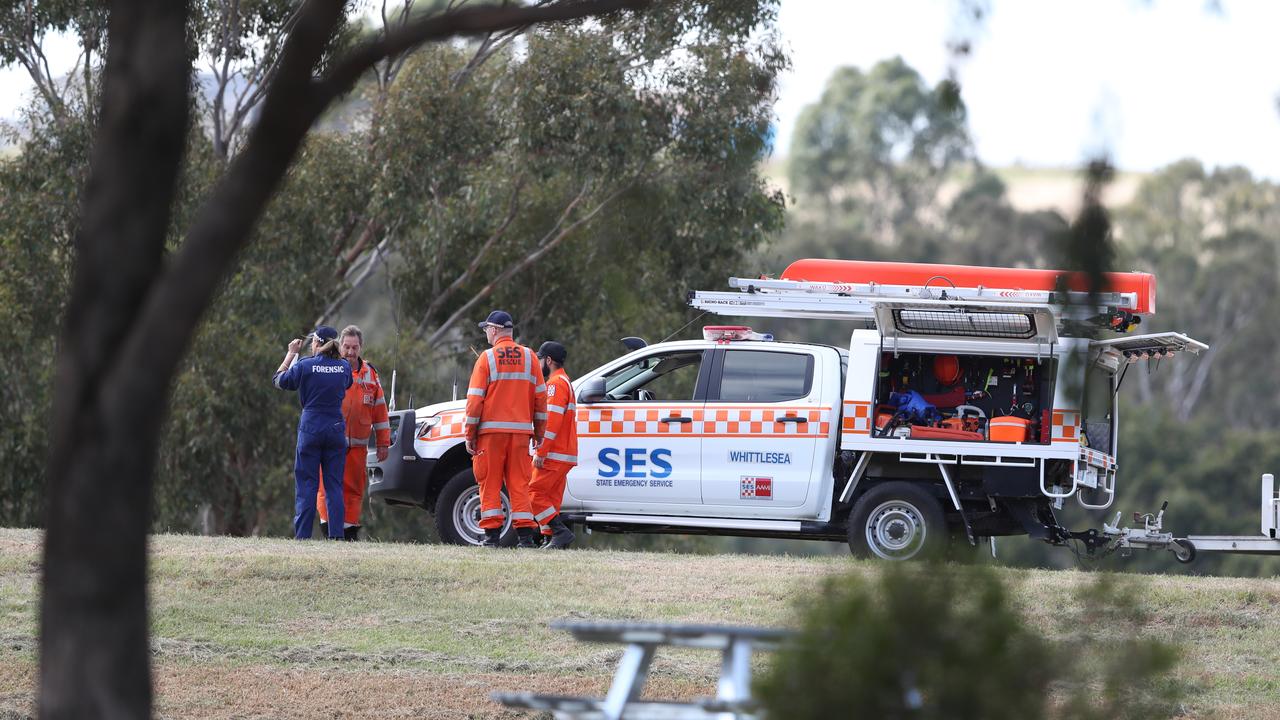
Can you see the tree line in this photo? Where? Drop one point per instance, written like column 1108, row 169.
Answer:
column 586, row 176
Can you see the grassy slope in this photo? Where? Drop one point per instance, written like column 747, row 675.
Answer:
column 272, row 628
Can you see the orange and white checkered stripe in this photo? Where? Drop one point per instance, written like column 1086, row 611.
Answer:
column 452, row 426
column 857, row 418
column 711, row 421
column 1097, row 459
column 1066, row 426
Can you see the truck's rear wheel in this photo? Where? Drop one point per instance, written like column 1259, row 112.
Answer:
column 457, row 513
column 897, row 521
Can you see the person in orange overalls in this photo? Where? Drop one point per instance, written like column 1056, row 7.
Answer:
column 364, row 408
column 506, row 410
column 558, row 452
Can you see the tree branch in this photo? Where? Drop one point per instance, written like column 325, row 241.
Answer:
column 478, row 258
column 292, row 104
column 374, row 260
column 546, row 245
column 467, row 21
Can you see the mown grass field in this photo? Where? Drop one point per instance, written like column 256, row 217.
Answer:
column 274, row 628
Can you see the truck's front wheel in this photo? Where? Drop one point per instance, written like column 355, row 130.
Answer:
column 457, row 513
column 897, row 521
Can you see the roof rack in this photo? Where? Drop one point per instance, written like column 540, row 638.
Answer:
column 936, row 309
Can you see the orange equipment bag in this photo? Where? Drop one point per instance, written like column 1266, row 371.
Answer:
column 1008, row 429
column 968, row 424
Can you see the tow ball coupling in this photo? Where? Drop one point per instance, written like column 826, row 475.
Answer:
column 1149, row 537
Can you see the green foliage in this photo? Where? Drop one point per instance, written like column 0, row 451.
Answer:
column 605, row 167
column 646, row 152
column 879, row 141
column 1211, row 239
column 39, row 217
column 947, row 642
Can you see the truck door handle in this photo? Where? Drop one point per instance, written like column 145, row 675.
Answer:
column 792, row 418
column 674, row 419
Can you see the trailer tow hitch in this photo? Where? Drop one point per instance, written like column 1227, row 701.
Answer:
column 1151, row 536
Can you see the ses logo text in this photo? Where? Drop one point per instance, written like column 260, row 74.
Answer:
column 634, row 467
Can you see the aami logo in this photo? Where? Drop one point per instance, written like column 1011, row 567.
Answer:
column 635, row 462
column 757, row 488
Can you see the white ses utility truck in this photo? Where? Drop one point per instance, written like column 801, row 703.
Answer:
column 970, row 403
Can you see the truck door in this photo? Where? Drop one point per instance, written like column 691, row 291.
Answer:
column 766, row 423
column 641, row 444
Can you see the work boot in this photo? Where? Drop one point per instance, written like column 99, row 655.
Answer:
column 528, row 538
column 561, row 535
column 324, row 529
column 491, row 538
column 351, row 534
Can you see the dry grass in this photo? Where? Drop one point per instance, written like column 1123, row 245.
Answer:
column 272, row 628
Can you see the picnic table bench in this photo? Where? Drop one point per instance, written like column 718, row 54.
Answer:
column 732, row 701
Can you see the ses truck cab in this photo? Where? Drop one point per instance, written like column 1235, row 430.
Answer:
column 969, row 403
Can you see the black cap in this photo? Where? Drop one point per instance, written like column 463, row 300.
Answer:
column 325, row 333
column 498, row 318
column 554, row 350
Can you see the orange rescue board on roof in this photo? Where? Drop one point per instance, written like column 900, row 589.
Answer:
column 1142, row 285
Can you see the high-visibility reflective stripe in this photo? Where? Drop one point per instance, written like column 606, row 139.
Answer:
column 556, row 409
column 478, row 392
column 540, row 389
column 562, row 457
column 472, row 420
column 366, row 376
column 526, row 377
column 521, row 516
column 380, row 401
column 546, row 529
column 549, row 435
column 544, row 514
column 496, row 425
column 358, row 442
column 539, row 416
column 491, row 513
column 528, row 366
column 572, row 407
column 382, row 426
column 493, row 364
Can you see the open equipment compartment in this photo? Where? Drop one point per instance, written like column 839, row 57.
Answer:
column 965, row 397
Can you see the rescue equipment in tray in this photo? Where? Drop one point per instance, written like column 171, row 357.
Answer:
column 728, row 333
column 1008, row 428
column 912, row 406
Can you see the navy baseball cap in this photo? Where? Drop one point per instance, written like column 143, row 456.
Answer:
column 498, row 318
column 554, row 350
column 325, row 333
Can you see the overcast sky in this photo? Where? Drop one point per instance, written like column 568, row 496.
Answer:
column 1051, row 83
column 1048, row 83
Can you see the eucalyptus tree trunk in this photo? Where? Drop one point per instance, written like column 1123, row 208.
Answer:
column 94, row 654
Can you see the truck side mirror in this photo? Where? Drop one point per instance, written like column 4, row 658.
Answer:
column 592, row 391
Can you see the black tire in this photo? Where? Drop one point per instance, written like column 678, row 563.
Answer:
column 898, row 521
column 457, row 514
column 1184, row 551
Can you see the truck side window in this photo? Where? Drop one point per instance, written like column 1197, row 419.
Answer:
column 765, row 377
column 665, row 377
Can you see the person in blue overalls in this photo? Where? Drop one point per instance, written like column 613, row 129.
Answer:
column 321, row 381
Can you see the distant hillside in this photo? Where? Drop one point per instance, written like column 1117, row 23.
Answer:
column 1028, row 188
